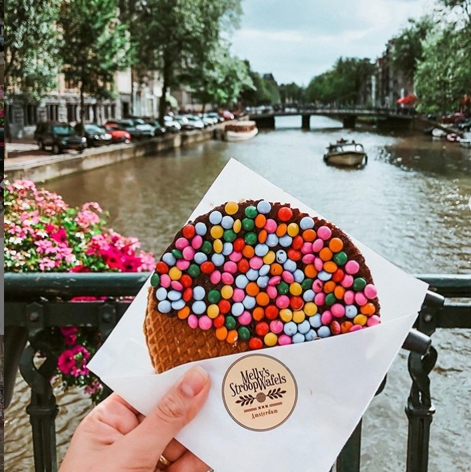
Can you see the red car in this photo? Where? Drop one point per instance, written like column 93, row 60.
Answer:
column 454, row 118
column 227, row 115
column 117, row 135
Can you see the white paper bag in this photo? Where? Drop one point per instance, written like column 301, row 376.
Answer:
column 336, row 377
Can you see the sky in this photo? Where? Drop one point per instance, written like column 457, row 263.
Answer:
column 298, row 39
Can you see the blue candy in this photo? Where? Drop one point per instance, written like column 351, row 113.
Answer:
column 263, row 207
column 306, row 223
column 174, row 295
column 161, row 293
column 215, row 217
column 252, row 274
column 290, row 265
column 217, row 259
column 201, row 229
column 290, row 328
column 323, row 332
column 298, row 338
column 164, row 306
column 304, row 327
column 310, row 335
column 272, row 240
column 169, row 259
column 261, row 250
column 199, row 292
column 262, row 282
column 324, row 276
column 241, row 281
column 227, row 222
column 315, row 320
column 227, row 249
column 198, row 307
column 351, row 311
column 298, row 275
column 200, row 257
column 178, row 305
column 308, row 295
column 281, row 256
column 264, row 270
column 237, row 309
column 286, row 241
column 249, row 302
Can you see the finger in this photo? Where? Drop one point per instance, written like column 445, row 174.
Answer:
column 188, row 463
column 174, row 450
column 179, row 406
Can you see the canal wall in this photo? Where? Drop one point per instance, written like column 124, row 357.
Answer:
column 42, row 168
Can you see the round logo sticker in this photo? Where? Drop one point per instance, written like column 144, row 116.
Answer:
column 259, row 392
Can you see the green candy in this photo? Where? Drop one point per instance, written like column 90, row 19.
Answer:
column 244, row 333
column 282, row 288
column 230, row 322
column 250, row 239
column 359, row 284
column 330, row 299
column 340, row 258
column 177, row 253
column 214, row 296
column 248, row 224
column 306, row 284
column 229, row 236
column 207, row 247
column 155, row 280
column 193, row 270
column 251, row 212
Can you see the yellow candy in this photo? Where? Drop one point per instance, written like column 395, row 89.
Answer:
column 310, row 309
column 237, row 226
column 360, row 320
column 270, row 339
column 175, row 273
column 213, row 311
column 218, row 246
column 286, row 315
column 295, row 289
column 293, row 229
column 231, row 208
column 299, row 316
column 227, row 291
column 217, row 231
column 269, row 257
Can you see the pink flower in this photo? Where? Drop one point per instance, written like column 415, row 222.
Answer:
column 60, row 236
column 70, row 335
column 74, row 361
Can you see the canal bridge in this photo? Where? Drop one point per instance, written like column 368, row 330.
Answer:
column 387, row 117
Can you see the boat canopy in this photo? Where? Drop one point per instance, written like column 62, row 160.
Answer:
column 346, row 147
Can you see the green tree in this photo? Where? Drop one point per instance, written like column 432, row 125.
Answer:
column 408, row 48
column 31, row 46
column 94, row 47
column 265, row 90
column 291, row 93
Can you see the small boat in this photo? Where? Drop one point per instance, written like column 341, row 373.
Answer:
column 466, row 143
column 428, row 130
column 452, row 137
column 240, row 131
column 348, row 154
column 438, row 133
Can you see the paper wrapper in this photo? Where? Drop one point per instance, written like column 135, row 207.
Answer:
column 335, row 378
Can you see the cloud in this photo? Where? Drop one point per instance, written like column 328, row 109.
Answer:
column 298, row 39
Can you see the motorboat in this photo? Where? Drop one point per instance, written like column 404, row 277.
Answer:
column 452, row 137
column 345, row 153
column 438, row 133
column 240, row 131
column 466, row 143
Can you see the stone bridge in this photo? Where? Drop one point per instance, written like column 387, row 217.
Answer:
column 386, row 117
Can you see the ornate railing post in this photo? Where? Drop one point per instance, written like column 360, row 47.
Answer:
column 419, row 407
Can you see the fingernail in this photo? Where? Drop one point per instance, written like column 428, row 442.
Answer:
column 194, row 381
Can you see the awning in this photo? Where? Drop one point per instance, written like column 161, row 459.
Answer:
column 172, row 101
column 409, row 100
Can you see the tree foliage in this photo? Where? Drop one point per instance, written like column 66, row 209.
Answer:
column 265, row 90
column 291, row 93
column 31, row 46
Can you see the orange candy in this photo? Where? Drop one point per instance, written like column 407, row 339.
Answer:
column 221, row 333
column 310, row 271
column 252, row 289
column 329, row 286
column 248, row 251
column 260, row 221
column 262, row 236
column 325, row 254
column 263, row 299
column 232, row 336
column 258, row 313
column 336, row 245
column 339, row 292
column 330, row 267
column 368, row 309
column 281, row 230
column 184, row 313
column 309, row 235
column 276, row 269
column 345, row 326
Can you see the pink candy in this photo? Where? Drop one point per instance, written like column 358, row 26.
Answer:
column 215, row 277
column 274, row 280
column 370, row 291
column 318, row 264
column 193, row 321
column 235, row 256
column 317, row 245
column 188, row 253
column 271, row 291
column 181, row 243
column 373, row 320
column 165, row 280
column 284, row 340
column 197, row 242
column 205, row 323
column 256, row 262
column 308, row 258
column 324, row 232
column 276, row 326
column 177, row 285
column 245, row 319
column 347, row 281
column 349, row 297
column 238, row 295
column 182, row 264
column 227, row 279
column 282, row 301
column 355, row 328
column 230, row 267
column 319, row 299
column 337, row 310
column 352, row 267
column 326, row 317
column 360, row 299
column 317, row 285
column 288, row 277
column 306, row 248
column 270, row 226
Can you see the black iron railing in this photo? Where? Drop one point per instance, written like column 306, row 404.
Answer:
column 37, row 302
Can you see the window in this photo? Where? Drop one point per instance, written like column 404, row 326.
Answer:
column 30, row 115
column 71, row 112
column 52, row 112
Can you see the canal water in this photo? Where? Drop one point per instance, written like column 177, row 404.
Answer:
column 411, row 204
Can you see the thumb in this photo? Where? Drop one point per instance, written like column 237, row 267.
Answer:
column 179, row 406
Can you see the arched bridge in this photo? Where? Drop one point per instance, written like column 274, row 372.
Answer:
column 385, row 116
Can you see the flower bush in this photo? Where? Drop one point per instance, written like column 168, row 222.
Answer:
column 44, row 234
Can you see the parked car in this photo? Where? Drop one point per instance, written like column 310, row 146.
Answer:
column 195, row 121
column 145, row 128
column 172, row 125
column 465, row 126
column 227, row 115
column 184, row 123
column 216, row 116
column 125, row 125
column 453, row 118
column 159, row 130
column 207, row 120
column 96, row 135
column 59, row 137
column 118, row 135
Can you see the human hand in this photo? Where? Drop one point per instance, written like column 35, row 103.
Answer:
column 114, row 437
